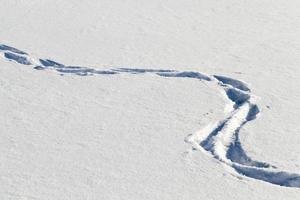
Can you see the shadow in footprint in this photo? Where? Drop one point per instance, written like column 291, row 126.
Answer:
column 237, row 96
column 195, row 75
column 278, row 178
column 11, row 49
column 141, row 71
column 19, row 59
column 50, row 63
column 237, row 154
column 233, row 82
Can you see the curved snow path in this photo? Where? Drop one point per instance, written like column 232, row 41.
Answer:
column 221, row 140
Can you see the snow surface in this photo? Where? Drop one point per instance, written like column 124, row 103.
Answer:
column 124, row 130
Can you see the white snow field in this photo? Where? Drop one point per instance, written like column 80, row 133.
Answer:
column 156, row 99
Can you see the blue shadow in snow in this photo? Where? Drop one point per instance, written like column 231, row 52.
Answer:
column 233, row 82
column 141, row 71
column 11, row 49
column 78, row 70
column 83, row 71
column 195, row 75
column 278, row 178
column 19, row 59
column 253, row 112
column 237, row 154
column 50, row 63
column 207, row 143
column 237, row 96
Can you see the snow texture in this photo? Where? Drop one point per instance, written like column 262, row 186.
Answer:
column 222, row 142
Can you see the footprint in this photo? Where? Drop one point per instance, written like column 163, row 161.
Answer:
column 19, row 59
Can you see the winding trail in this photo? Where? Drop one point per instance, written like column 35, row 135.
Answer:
column 221, row 140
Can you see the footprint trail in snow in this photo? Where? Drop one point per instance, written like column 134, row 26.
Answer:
column 221, row 140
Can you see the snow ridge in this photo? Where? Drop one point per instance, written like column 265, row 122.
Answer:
column 221, row 139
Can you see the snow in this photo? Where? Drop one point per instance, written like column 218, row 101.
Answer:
column 149, row 100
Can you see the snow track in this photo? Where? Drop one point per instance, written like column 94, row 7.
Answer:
column 220, row 139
